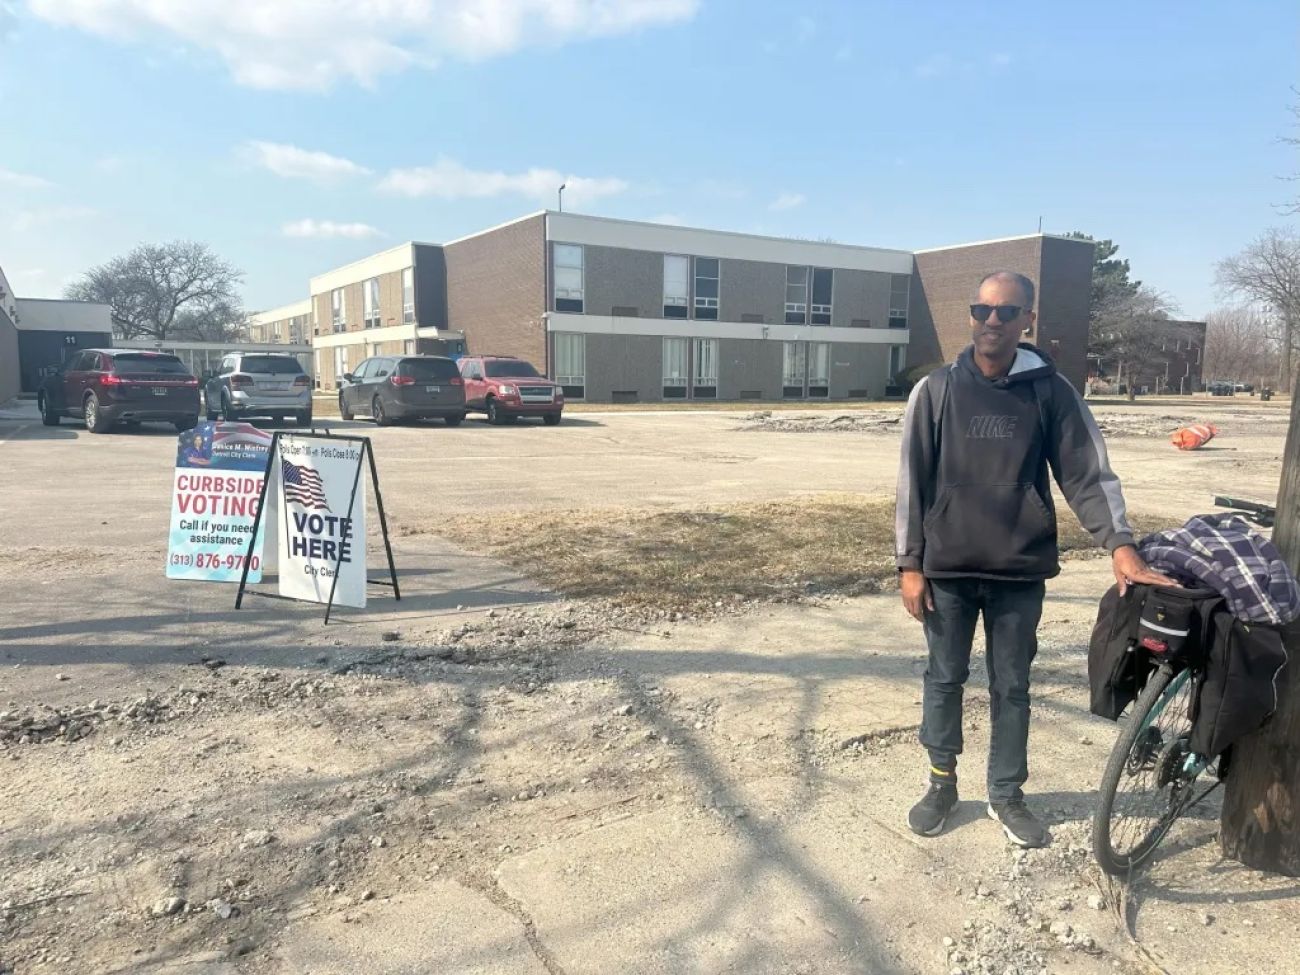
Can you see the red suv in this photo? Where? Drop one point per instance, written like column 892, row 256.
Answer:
column 506, row 388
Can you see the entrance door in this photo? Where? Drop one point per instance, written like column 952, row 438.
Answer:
column 794, row 370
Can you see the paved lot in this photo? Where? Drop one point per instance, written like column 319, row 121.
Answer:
column 659, row 798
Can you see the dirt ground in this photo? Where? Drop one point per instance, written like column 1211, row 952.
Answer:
column 489, row 777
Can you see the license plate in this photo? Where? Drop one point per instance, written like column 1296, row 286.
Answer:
column 159, row 391
column 433, row 389
column 276, row 387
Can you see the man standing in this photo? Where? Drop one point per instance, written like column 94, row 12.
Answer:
column 976, row 533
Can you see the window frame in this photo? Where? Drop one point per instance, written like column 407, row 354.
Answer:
column 704, row 386
column 898, row 316
column 711, row 312
column 408, row 305
column 370, row 317
column 675, row 387
column 338, row 311
column 680, row 304
column 796, row 312
column 574, row 383
column 574, row 298
column 818, row 310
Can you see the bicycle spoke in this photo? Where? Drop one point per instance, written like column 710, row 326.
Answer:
column 1155, row 788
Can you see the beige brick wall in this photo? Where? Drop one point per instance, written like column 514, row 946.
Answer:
column 496, row 290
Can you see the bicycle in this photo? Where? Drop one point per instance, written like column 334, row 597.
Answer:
column 1151, row 777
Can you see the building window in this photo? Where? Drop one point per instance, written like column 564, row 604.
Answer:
column 704, row 377
column 275, row 333
column 823, row 284
column 568, row 277
column 677, row 286
column 340, row 363
column 675, row 368
column 319, row 369
column 897, row 362
column 408, row 295
column 408, row 347
column 796, row 296
column 338, row 312
column 794, row 370
column 571, row 364
column 370, row 302
column 706, row 288
column 898, row 286
column 819, row 369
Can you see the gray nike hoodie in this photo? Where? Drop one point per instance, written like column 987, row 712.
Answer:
column 973, row 492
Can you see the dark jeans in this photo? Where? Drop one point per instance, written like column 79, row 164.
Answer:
column 1011, row 613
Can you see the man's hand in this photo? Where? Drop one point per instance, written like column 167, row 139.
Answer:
column 1129, row 568
column 916, row 593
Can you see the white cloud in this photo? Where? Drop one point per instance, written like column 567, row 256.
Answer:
column 25, row 220
column 310, row 44
column 805, row 29
column 787, row 201
column 23, row 181
column 292, row 162
column 449, row 180
column 328, row 229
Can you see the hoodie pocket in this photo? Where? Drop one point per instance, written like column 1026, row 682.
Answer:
column 991, row 528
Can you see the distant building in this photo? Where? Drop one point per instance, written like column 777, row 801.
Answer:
column 50, row 329
column 1179, row 365
column 290, row 324
column 626, row 311
column 10, row 381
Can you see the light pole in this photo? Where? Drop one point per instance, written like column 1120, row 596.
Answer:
column 560, row 194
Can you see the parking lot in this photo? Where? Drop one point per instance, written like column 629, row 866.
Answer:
column 486, row 776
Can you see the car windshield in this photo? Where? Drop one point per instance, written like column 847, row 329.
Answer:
column 510, row 369
column 136, row 365
column 428, row 368
column 272, row 365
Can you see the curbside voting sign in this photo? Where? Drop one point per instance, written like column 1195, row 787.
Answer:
column 323, row 524
column 217, row 482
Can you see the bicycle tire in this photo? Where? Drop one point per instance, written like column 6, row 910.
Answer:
column 1109, row 859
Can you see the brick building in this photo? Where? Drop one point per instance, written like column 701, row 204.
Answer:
column 620, row 310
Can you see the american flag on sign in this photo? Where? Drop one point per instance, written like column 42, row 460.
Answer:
column 303, row 485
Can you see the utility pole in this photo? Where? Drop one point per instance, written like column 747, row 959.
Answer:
column 1261, row 808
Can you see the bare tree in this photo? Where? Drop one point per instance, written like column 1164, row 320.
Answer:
column 1241, row 342
column 1293, row 205
column 1131, row 330
column 1268, row 272
column 162, row 290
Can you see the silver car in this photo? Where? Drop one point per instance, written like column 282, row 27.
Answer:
column 262, row 384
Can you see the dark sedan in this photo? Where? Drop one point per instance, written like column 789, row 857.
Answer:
column 108, row 387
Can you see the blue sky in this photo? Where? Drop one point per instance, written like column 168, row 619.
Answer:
column 296, row 136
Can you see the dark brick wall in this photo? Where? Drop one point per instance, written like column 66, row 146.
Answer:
column 946, row 281
column 496, row 289
column 1065, row 286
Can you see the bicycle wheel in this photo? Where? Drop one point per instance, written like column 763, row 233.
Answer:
column 1151, row 774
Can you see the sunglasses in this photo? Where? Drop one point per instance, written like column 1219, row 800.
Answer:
column 1006, row 313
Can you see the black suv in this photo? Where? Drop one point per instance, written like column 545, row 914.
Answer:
column 389, row 388
column 106, row 387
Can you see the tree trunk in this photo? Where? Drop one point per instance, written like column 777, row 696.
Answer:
column 1261, row 808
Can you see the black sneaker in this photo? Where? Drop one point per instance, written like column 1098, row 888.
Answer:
column 929, row 816
column 1019, row 824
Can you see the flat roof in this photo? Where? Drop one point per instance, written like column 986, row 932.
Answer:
column 1003, row 240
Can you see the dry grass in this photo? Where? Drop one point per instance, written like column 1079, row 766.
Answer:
column 691, row 559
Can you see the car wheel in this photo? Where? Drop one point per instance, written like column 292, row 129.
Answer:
column 454, row 420
column 377, row 411
column 48, row 416
column 189, row 423
column 228, row 412
column 344, row 412
column 95, row 421
column 303, row 419
column 551, row 419
column 496, row 415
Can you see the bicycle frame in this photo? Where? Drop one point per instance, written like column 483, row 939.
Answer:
column 1193, row 764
